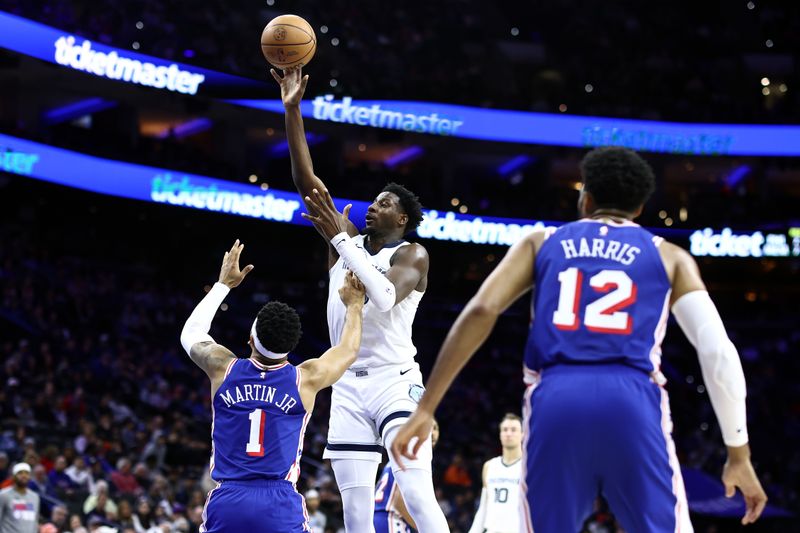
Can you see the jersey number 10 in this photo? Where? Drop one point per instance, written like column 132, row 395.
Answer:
column 605, row 314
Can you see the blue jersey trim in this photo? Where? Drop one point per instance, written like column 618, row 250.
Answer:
column 393, row 244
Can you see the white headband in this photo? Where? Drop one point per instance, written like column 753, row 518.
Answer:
column 260, row 347
column 20, row 467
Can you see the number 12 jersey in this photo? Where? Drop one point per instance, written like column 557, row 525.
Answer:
column 601, row 296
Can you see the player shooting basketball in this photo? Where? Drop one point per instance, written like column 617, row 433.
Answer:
column 383, row 388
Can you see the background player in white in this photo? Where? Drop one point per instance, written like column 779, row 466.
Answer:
column 499, row 508
column 19, row 505
column 378, row 393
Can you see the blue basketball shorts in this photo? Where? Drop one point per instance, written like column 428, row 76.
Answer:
column 390, row 522
column 600, row 430
column 263, row 506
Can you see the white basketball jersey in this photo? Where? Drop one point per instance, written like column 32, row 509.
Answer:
column 502, row 487
column 385, row 336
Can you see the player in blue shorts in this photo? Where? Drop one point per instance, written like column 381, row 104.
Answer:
column 261, row 405
column 391, row 514
column 597, row 415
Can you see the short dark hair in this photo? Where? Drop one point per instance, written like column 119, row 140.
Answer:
column 278, row 327
column 617, row 178
column 410, row 204
column 511, row 416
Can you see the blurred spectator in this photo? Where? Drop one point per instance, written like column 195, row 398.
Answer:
column 124, row 481
column 125, row 518
column 76, row 525
column 142, row 475
column 80, row 475
column 3, row 465
column 145, row 517
column 59, row 519
column 99, row 503
column 456, row 474
column 60, row 483
column 316, row 518
column 156, row 451
column 39, row 481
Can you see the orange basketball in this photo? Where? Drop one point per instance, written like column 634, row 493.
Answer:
column 288, row 41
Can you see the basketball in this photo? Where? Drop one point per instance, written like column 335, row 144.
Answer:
column 288, row 41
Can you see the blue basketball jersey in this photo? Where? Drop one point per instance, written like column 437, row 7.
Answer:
column 385, row 489
column 258, row 423
column 601, row 296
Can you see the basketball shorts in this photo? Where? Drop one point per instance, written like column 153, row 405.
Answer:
column 390, row 522
column 365, row 404
column 600, row 429
column 255, row 507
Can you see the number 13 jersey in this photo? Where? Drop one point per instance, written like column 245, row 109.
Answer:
column 601, row 296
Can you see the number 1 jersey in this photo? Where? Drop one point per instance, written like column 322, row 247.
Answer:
column 258, row 423
column 601, row 295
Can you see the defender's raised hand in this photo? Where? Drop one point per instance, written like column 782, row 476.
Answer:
column 293, row 85
column 353, row 291
column 323, row 214
column 230, row 274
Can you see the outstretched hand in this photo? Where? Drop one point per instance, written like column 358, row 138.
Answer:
column 293, row 85
column 230, row 274
column 324, row 215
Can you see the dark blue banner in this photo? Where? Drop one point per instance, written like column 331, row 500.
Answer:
column 75, row 52
column 139, row 182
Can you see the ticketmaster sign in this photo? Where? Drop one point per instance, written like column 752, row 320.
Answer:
column 31, row 159
column 139, row 182
column 74, row 52
column 346, row 112
column 498, row 125
column 116, row 66
column 542, row 128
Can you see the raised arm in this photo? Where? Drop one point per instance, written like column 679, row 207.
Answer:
column 511, row 279
column 326, row 370
column 293, row 86
column 722, row 372
column 213, row 358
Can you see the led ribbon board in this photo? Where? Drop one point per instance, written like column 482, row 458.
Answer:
column 71, row 51
column 548, row 129
column 139, row 182
column 62, row 48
